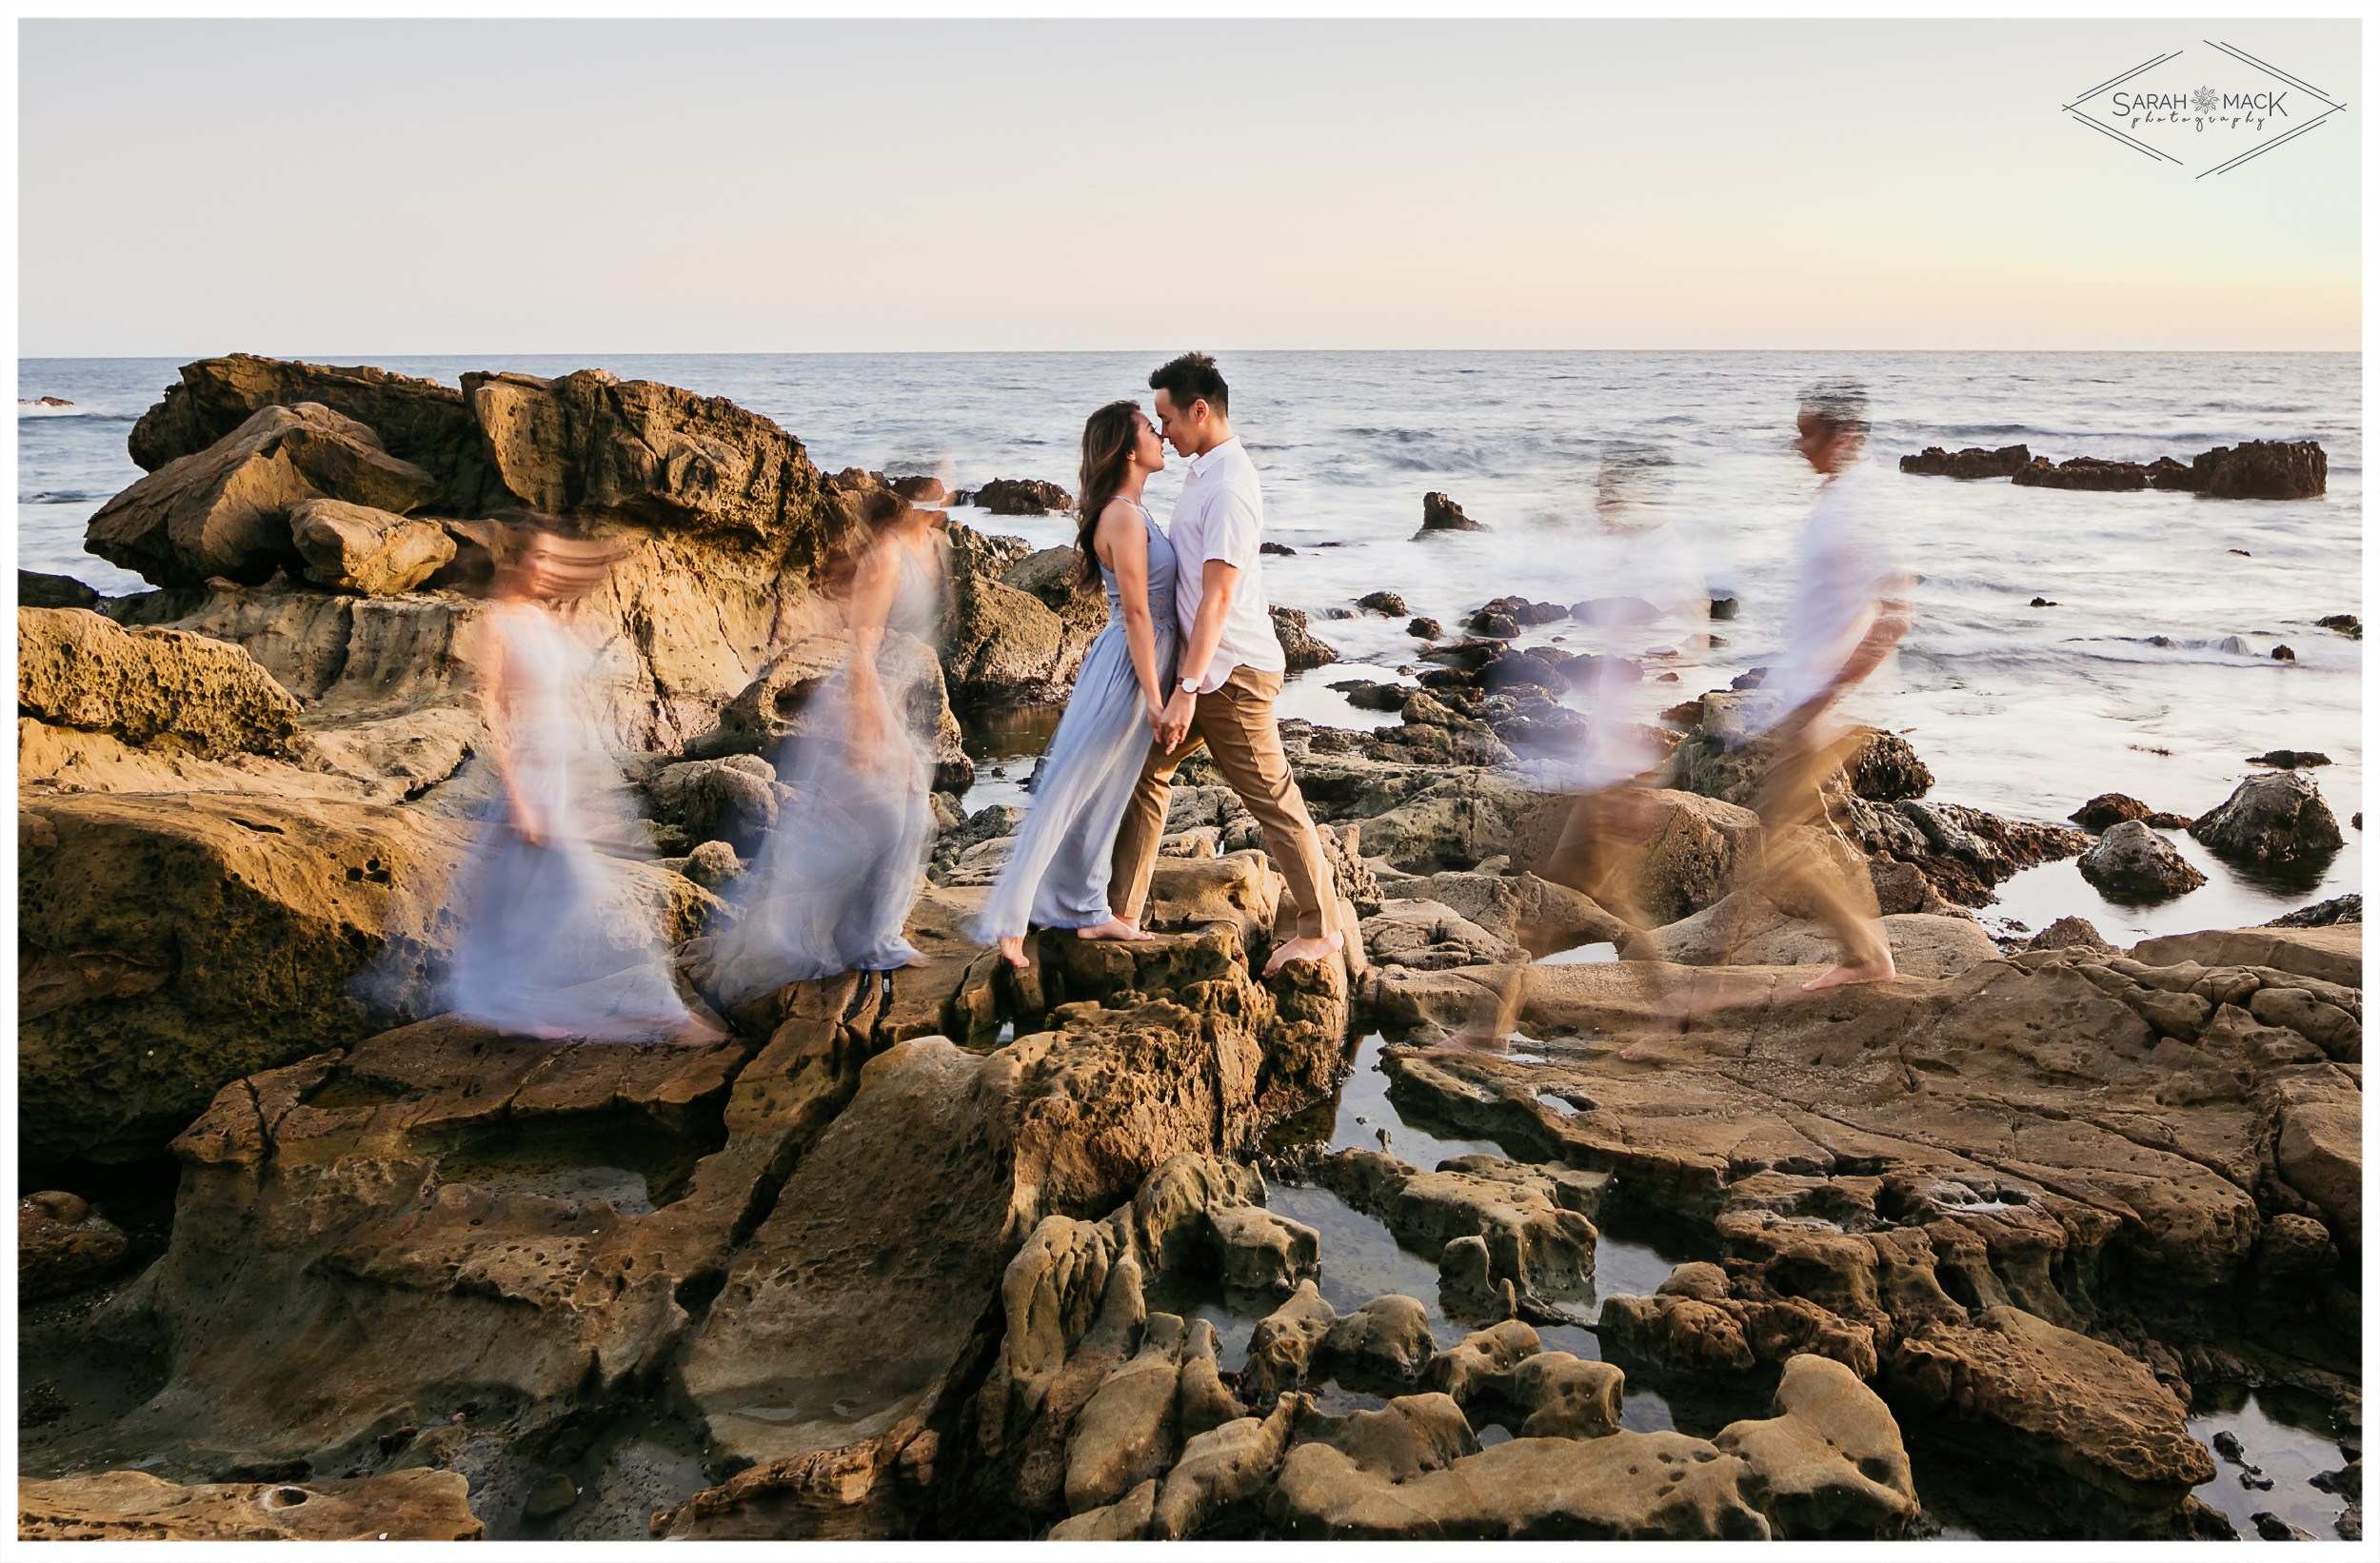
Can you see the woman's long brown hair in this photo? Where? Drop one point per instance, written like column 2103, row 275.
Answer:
column 1107, row 440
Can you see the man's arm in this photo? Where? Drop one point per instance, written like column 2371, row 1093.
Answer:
column 1218, row 580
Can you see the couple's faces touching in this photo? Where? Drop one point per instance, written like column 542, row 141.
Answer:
column 1148, row 451
column 1188, row 429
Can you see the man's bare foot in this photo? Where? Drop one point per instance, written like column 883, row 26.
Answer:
column 1123, row 928
column 1012, row 951
column 1306, row 949
column 1879, row 970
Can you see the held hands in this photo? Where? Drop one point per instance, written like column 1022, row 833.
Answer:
column 1173, row 724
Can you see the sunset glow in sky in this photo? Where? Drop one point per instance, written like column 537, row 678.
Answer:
column 348, row 188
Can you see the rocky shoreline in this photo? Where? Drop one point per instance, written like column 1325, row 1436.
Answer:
column 976, row 1253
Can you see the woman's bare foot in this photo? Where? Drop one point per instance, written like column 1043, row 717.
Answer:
column 1879, row 970
column 914, row 962
column 1123, row 929
column 700, row 1032
column 1306, row 949
column 1012, row 951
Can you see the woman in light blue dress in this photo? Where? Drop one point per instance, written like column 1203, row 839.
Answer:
column 1057, row 875
column 832, row 886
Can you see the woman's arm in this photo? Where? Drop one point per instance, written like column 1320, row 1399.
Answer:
column 1122, row 545
column 487, row 655
column 870, row 606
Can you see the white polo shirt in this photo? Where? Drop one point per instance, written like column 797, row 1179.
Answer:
column 1220, row 515
column 1850, row 560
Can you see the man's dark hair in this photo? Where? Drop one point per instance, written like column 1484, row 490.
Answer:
column 1193, row 377
column 1837, row 403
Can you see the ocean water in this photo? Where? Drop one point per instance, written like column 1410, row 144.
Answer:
column 2129, row 683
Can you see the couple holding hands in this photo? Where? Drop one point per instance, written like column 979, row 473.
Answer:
column 1188, row 657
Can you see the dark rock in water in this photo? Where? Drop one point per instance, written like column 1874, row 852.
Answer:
column 1298, row 644
column 2345, row 623
column 2133, row 864
column 1386, row 603
column 2271, row 822
column 1282, row 548
column 2273, row 1528
column 2290, row 760
column 1750, row 679
column 2226, row 1445
column 1724, row 607
column 1022, row 497
column 2283, row 654
column 1367, row 695
column 42, row 402
column 921, row 490
column 2259, row 469
column 1441, row 514
column 2041, row 603
column 1502, row 627
column 1973, row 462
column 2069, row 934
column 2082, row 472
column 1505, row 617
column 1426, row 630
column 36, row 590
column 2323, row 914
column 1889, row 770
column 2242, row 553
column 2114, row 807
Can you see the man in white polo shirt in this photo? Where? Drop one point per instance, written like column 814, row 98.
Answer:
column 1231, row 666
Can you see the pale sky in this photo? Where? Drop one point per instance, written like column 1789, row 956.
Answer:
column 347, row 188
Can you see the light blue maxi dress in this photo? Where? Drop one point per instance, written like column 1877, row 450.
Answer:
column 831, row 888
column 1057, row 875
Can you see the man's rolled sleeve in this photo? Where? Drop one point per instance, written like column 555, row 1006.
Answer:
column 1233, row 531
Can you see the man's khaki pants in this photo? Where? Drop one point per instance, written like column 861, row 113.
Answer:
column 1237, row 725
column 1794, row 868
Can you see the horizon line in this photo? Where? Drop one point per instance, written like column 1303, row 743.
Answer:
column 311, row 356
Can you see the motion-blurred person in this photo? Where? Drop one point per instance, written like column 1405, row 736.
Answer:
column 1057, row 875
column 1850, row 607
column 554, row 939
column 1648, row 593
column 832, row 886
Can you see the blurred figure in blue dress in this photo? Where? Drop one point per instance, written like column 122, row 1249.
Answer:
column 556, row 938
column 832, row 886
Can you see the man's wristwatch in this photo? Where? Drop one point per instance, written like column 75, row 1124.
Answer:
column 1189, row 686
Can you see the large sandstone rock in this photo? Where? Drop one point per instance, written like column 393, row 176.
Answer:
column 592, row 444
column 2321, row 1154
column 1747, row 930
column 2333, row 954
column 153, row 689
column 224, row 509
column 170, row 944
column 420, row 420
column 2026, row 1388
column 2277, row 821
column 135, row 1506
column 353, row 547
